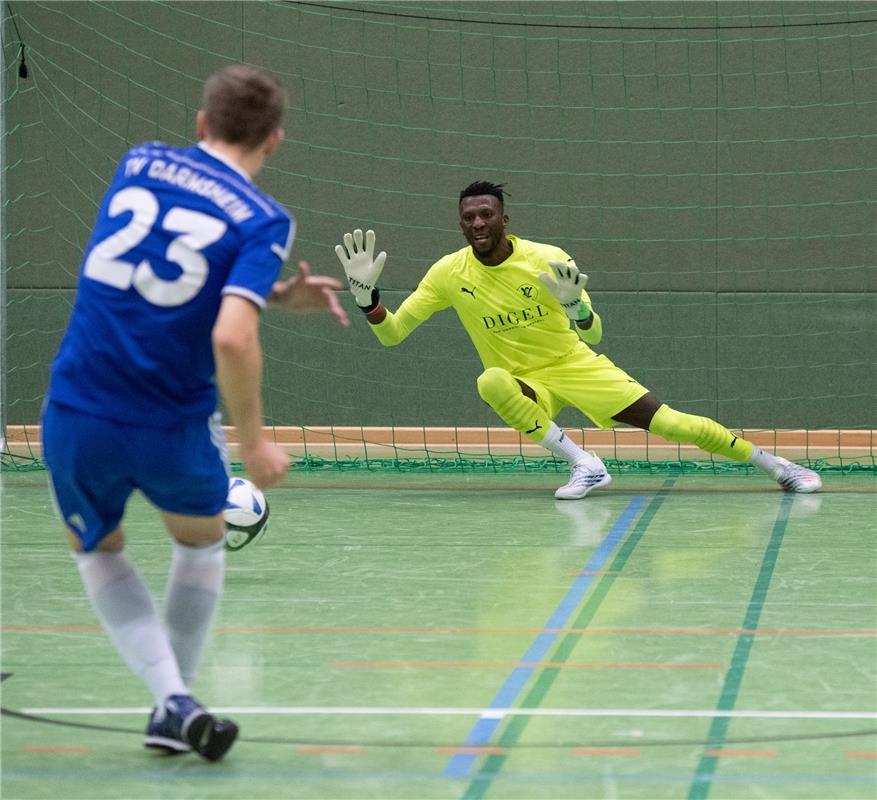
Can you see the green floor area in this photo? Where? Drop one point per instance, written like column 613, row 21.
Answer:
column 467, row 636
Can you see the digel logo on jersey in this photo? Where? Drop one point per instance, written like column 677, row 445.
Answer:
column 513, row 318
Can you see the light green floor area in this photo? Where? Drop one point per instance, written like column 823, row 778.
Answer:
column 682, row 636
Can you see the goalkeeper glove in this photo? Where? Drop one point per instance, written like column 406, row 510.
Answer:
column 361, row 267
column 567, row 288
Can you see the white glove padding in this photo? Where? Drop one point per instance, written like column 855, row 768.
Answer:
column 567, row 287
column 360, row 265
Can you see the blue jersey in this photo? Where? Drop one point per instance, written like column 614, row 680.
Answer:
column 177, row 229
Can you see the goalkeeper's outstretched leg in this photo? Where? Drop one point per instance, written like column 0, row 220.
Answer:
column 522, row 408
column 675, row 426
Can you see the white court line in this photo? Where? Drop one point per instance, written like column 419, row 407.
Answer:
column 490, row 713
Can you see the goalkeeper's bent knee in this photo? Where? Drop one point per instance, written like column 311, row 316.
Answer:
column 502, row 392
column 707, row 434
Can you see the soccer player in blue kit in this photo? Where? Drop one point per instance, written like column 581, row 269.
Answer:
column 185, row 253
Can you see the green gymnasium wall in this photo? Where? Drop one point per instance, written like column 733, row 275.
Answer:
column 710, row 165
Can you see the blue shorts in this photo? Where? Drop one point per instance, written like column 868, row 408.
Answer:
column 95, row 464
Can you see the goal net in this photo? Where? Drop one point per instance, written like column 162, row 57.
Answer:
column 711, row 166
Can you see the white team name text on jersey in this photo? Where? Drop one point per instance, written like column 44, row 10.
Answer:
column 195, row 182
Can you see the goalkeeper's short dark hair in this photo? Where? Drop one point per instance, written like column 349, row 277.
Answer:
column 479, row 188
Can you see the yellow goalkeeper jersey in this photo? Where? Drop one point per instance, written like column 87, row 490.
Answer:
column 513, row 320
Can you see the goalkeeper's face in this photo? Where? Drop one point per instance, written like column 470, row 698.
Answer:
column 483, row 223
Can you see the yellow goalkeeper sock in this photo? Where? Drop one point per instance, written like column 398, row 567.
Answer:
column 707, row 434
column 499, row 389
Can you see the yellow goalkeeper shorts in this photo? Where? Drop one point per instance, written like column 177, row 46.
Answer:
column 586, row 381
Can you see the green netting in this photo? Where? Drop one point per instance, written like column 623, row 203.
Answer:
column 503, row 464
column 712, row 164
column 438, row 460
column 509, row 464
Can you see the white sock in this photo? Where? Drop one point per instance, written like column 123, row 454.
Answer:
column 562, row 447
column 767, row 462
column 193, row 591
column 128, row 615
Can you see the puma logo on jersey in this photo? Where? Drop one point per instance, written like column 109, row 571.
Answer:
column 469, row 291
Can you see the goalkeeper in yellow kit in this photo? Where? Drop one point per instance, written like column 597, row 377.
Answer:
column 517, row 301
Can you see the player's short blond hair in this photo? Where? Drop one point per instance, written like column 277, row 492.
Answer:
column 242, row 105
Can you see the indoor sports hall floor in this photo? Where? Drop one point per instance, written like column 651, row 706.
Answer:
column 426, row 636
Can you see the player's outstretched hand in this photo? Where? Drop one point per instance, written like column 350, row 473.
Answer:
column 265, row 462
column 566, row 285
column 360, row 265
column 309, row 294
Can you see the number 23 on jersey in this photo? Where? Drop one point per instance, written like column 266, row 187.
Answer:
column 195, row 231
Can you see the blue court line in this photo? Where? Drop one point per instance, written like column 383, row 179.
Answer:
column 460, row 764
column 706, row 768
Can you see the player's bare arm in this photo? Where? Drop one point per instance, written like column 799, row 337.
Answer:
column 304, row 293
column 238, row 356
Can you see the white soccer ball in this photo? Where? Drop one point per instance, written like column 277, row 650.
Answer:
column 245, row 513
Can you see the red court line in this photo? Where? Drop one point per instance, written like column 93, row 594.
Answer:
column 56, row 749
column 862, row 754
column 720, row 631
column 518, row 664
column 605, row 751
column 743, row 753
column 326, row 750
column 50, row 628
column 294, row 629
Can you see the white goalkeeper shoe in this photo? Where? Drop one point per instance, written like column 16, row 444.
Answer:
column 795, row 478
column 584, row 476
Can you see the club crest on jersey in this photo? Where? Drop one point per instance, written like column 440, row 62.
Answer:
column 528, row 290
